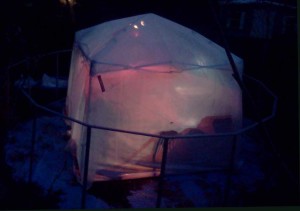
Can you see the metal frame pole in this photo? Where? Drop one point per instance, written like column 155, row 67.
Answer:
column 57, row 73
column 230, row 171
column 162, row 171
column 33, row 137
column 86, row 166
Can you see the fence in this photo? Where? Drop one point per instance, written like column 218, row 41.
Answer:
column 59, row 61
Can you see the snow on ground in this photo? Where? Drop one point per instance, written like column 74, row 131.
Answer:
column 52, row 170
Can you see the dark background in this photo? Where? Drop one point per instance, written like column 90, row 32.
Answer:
column 31, row 27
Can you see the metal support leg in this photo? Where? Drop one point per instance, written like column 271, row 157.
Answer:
column 230, row 172
column 86, row 167
column 56, row 77
column 33, row 137
column 162, row 172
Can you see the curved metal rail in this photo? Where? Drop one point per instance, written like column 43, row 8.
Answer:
column 164, row 138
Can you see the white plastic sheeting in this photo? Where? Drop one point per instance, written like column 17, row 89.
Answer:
column 148, row 74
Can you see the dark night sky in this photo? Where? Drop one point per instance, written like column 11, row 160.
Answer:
column 48, row 25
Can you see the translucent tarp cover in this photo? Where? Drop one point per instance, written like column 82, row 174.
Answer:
column 148, row 74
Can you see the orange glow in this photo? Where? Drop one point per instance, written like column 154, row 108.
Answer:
column 135, row 26
column 68, row 2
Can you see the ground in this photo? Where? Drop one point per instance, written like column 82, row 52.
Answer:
column 255, row 177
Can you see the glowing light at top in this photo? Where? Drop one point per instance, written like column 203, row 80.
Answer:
column 68, row 2
column 137, row 26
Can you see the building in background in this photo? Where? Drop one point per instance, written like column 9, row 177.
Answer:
column 261, row 19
